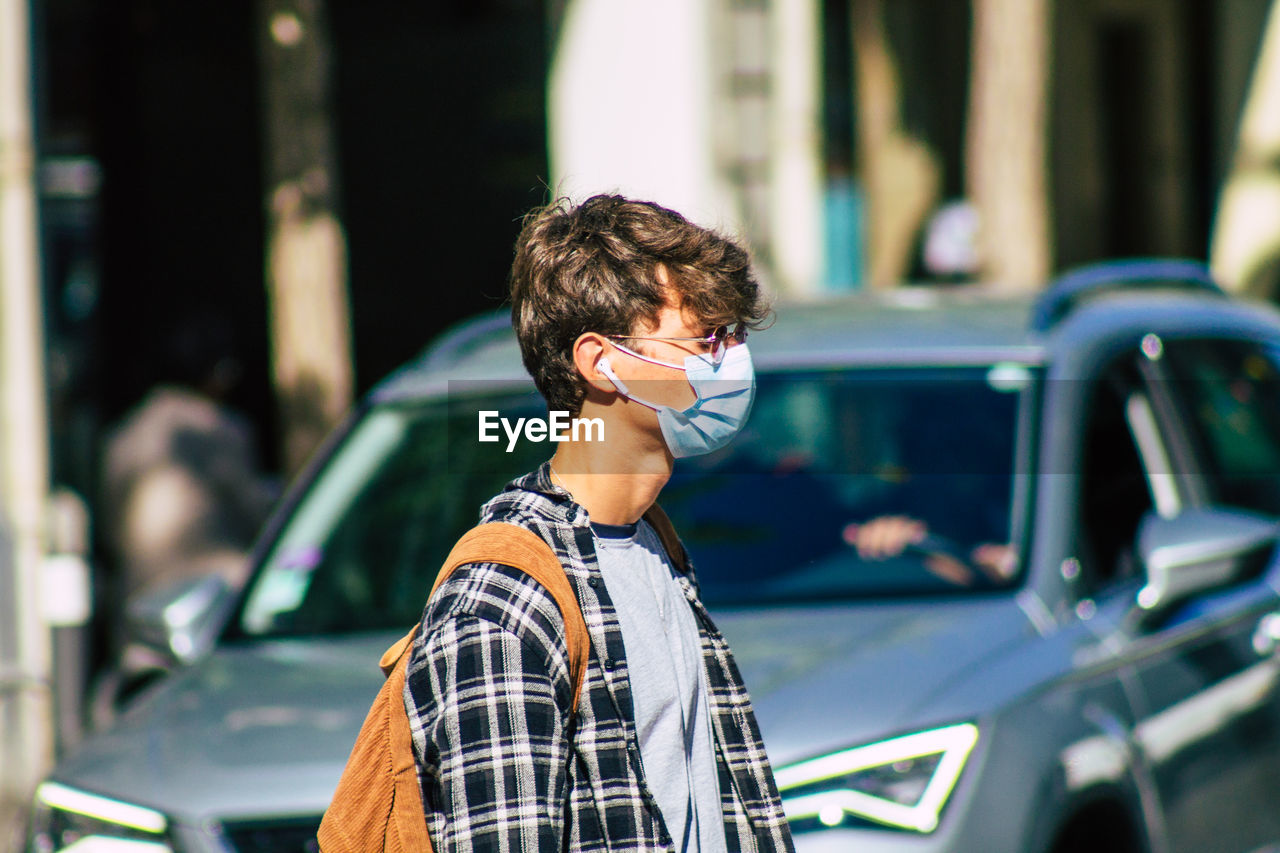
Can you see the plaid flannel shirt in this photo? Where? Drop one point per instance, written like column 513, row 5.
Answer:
column 502, row 765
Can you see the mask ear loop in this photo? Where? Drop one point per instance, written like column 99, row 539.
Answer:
column 607, row 369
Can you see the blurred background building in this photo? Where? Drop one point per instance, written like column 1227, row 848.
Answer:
column 335, row 182
column 825, row 131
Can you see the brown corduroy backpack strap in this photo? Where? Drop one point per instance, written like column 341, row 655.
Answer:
column 377, row 807
column 661, row 524
column 512, row 545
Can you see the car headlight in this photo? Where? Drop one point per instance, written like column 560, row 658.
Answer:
column 902, row 783
column 65, row 819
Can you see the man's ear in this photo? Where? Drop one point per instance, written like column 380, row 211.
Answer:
column 588, row 349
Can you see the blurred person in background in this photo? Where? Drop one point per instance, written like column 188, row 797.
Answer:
column 182, row 490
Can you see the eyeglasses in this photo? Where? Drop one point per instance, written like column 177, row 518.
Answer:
column 718, row 341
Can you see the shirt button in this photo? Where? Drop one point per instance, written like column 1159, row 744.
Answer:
column 609, row 664
column 664, row 840
column 594, row 583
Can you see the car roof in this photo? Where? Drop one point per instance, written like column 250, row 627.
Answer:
column 913, row 325
column 908, row 325
column 904, row 326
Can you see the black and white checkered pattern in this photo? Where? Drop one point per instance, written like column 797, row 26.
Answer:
column 502, row 765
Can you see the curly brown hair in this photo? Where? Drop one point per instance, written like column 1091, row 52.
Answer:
column 593, row 268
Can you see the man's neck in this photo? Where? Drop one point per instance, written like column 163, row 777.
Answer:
column 616, row 480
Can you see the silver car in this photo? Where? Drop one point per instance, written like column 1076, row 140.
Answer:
column 999, row 574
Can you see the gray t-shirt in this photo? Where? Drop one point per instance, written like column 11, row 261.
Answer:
column 668, row 684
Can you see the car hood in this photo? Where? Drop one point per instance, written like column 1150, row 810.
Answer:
column 263, row 729
column 828, row 678
column 255, row 729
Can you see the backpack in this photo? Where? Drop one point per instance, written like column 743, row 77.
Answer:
column 377, row 807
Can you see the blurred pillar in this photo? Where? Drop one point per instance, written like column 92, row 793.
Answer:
column 306, row 248
column 26, row 743
column 629, row 103
column 795, row 150
column 707, row 106
column 1006, row 157
column 1245, row 245
column 902, row 176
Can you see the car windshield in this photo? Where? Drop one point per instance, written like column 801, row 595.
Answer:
column 845, row 484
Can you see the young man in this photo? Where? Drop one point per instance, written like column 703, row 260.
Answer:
column 625, row 312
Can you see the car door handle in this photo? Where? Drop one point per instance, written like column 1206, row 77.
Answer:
column 1266, row 637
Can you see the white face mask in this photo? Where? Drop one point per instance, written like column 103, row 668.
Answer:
column 724, row 395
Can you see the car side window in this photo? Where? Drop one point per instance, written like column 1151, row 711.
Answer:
column 1114, row 489
column 1230, row 396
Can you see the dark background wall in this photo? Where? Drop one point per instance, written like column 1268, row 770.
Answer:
column 442, row 130
column 440, row 123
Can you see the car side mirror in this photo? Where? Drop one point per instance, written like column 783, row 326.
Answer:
column 1199, row 550
column 181, row 621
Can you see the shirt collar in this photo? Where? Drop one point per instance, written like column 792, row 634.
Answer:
column 539, row 480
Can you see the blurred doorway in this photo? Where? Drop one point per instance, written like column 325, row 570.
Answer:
column 1131, row 127
column 441, row 125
